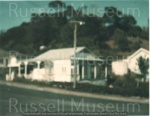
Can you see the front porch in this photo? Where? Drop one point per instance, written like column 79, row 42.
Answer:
column 30, row 69
column 89, row 71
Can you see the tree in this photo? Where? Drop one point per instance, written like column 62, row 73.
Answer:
column 2, row 34
column 112, row 16
column 56, row 4
column 145, row 33
column 135, row 45
column 59, row 6
column 120, row 40
column 134, row 31
column 127, row 22
column 143, row 66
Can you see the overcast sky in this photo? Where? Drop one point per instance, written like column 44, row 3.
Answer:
column 13, row 13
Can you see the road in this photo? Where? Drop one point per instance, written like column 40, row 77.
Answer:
column 24, row 102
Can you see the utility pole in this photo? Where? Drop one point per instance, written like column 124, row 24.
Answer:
column 75, row 44
column 75, row 66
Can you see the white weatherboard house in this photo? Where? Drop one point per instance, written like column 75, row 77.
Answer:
column 132, row 59
column 58, row 65
column 121, row 67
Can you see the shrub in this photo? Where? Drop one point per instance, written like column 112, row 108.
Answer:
column 127, row 86
column 21, row 80
column 3, row 72
column 111, row 79
column 142, row 90
column 124, row 86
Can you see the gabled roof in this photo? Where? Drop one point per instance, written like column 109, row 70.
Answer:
column 3, row 53
column 57, row 54
column 86, row 56
column 138, row 51
column 66, row 53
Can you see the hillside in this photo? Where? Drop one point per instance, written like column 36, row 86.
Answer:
column 135, row 42
column 102, row 35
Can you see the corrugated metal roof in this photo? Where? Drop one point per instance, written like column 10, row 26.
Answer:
column 58, row 54
column 86, row 56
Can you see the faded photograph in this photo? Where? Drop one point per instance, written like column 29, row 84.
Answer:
column 74, row 57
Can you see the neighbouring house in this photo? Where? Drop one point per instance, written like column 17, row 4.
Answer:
column 121, row 67
column 58, row 65
column 13, row 63
column 4, row 57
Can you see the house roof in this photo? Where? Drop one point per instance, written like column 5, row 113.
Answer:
column 86, row 56
column 138, row 51
column 55, row 54
column 64, row 53
column 4, row 53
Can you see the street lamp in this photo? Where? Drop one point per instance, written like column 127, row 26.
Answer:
column 75, row 42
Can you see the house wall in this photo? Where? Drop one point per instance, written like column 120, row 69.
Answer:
column 13, row 62
column 133, row 63
column 62, row 70
column 42, row 74
column 119, row 68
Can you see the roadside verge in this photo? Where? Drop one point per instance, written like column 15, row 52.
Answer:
column 75, row 93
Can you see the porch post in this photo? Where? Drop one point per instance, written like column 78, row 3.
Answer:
column 9, row 72
column 38, row 64
column 19, row 70
column 25, row 64
column 106, row 71
column 38, row 69
column 95, row 72
column 82, row 71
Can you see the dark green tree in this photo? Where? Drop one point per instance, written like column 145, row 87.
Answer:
column 134, row 31
column 120, row 40
column 57, row 4
column 144, row 33
column 143, row 66
column 127, row 22
column 112, row 16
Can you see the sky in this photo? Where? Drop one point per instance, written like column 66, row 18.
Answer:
column 14, row 13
